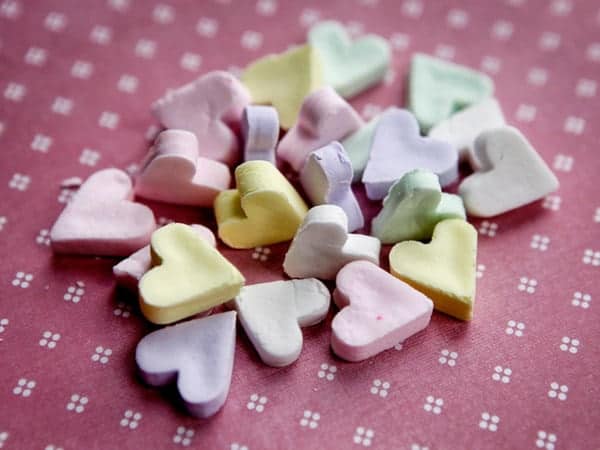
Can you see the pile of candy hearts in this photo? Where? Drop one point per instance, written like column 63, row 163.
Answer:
column 178, row 272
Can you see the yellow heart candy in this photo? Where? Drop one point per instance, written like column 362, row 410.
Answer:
column 264, row 209
column 189, row 276
column 444, row 269
column 283, row 80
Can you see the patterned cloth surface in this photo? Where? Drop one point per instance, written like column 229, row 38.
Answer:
column 76, row 83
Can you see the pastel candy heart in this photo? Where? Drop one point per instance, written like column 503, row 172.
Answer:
column 377, row 311
column 102, row 220
column 174, row 173
column 284, row 80
column 444, row 269
column 412, row 208
column 327, row 178
column 205, row 107
column 439, row 88
column 196, row 355
column 358, row 147
column 260, row 131
column 350, row 67
column 272, row 314
column 129, row 271
column 324, row 117
column 264, row 209
column 189, row 276
column 512, row 174
column 398, row 148
column 322, row 245
column 461, row 128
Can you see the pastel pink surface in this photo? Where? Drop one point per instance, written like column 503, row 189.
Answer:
column 378, row 311
column 129, row 271
column 114, row 77
column 206, row 107
column 102, row 220
column 324, row 117
column 174, row 173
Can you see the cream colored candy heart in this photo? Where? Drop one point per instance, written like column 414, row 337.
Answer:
column 444, row 269
column 189, row 276
column 511, row 174
column 272, row 314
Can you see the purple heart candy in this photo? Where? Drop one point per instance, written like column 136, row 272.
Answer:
column 398, row 148
column 198, row 355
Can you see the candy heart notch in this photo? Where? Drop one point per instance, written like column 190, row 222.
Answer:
column 272, row 314
column 444, row 269
column 284, row 80
column 439, row 88
column 398, row 148
column 264, row 209
column 462, row 128
column 102, row 220
column 197, row 355
column 260, row 131
column 322, row 245
column 412, row 208
column 327, row 179
column 205, row 107
column 350, row 67
column 324, row 117
column 129, row 271
column 173, row 172
column 189, row 276
column 377, row 311
column 512, row 174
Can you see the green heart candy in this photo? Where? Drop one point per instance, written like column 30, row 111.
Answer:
column 358, row 147
column 440, row 88
column 349, row 67
column 413, row 207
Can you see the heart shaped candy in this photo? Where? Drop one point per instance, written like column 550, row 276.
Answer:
column 324, row 117
column 197, row 355
column 284, row 80
column 129, row 271
column 412, row 208
column 322, row 245
column 205, row 107
column 462, row 128
column 377, row 311
column 189, row 276
column 102, row 220
column 444, row 269
column 326, row 179
column 272, row 314
column 511, row 174
column 260, row 131
column 398, row 148
column 174, row 173
column 439, row 88
column 264, row 209
column 350, row 67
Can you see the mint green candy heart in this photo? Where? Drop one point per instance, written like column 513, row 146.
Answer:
column 358, row 147
column 412, row 208
column 440, row 88
column 349, row 67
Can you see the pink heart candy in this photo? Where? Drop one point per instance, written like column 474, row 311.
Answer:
column 205, row 107
column 174, row 173
column 324, row 117
column 102, row 220
column 398, row 148
column 377, row 311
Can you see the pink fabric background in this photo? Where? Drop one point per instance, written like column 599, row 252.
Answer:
column 545, row 58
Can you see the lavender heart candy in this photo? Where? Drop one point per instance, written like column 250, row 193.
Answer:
column 198, row 355
column 398, row 148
